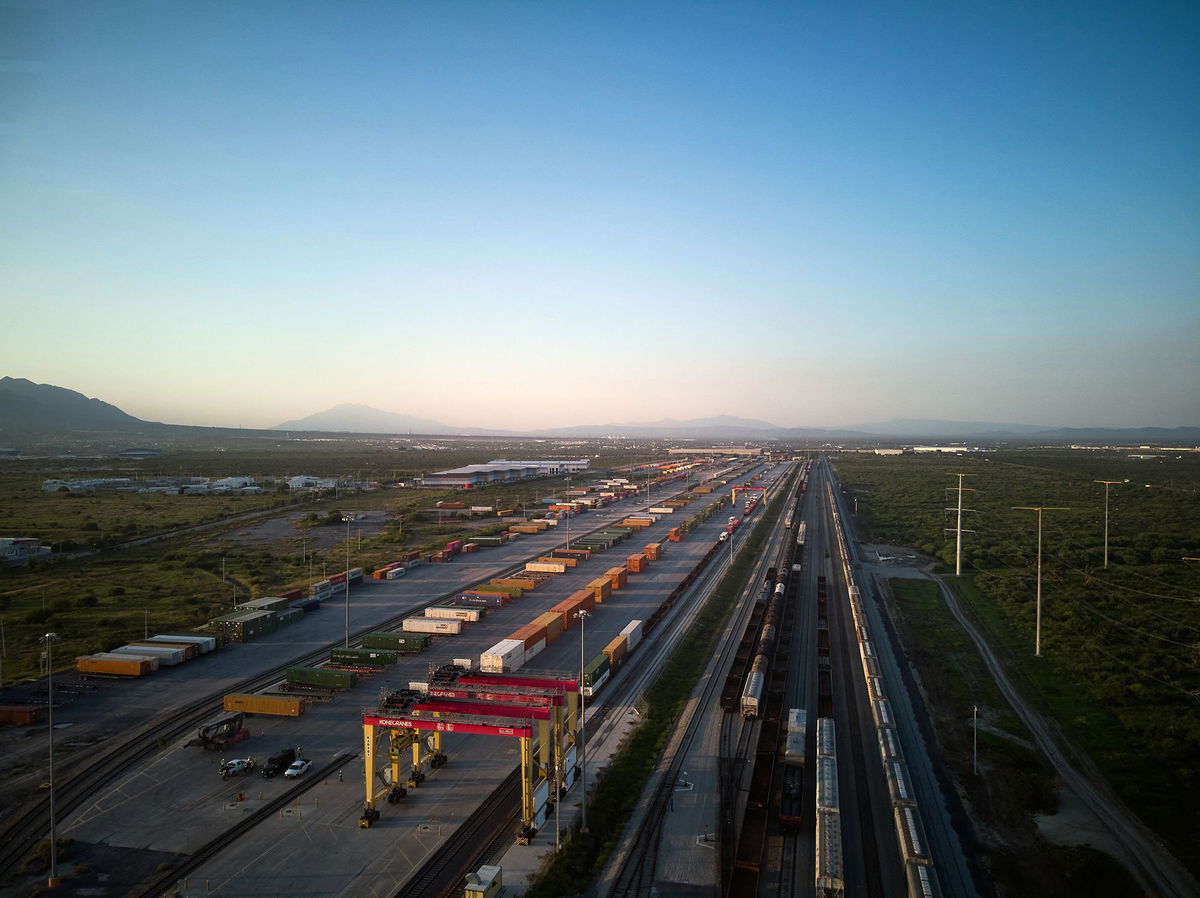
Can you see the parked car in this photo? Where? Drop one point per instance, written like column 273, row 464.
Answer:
column 298, row 768
column 237, row 765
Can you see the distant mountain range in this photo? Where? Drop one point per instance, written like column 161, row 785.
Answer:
column 351, row 418
column 26, row 407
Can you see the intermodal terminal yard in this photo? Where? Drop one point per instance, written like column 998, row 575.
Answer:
column 169, row 802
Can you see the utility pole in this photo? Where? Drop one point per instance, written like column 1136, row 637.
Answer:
column 1107, row 484
column 1039, row 509
column 958, row 529
column 975, row 740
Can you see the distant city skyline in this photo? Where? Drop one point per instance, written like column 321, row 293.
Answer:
column 522, row 216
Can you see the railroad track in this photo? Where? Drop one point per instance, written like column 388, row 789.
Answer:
column 635, row 870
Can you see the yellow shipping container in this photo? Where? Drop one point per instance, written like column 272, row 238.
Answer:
column 275, row 705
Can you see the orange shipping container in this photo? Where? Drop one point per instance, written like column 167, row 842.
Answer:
column 569, row 562
column 601, row 588
column 552, row 621
column 517, row 581
column 653, row 550
column 530, row 634
column 618, row 576
column 277, row 705
column 616, row 650
column 636, row 563
column 134, row 667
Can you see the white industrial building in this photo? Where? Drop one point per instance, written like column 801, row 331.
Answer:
column 501, row 471
column 20, row 549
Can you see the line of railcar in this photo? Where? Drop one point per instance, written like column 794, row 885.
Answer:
column 920, row 873
column 829, row 871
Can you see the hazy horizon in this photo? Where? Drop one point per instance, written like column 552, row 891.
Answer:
column 523, row 216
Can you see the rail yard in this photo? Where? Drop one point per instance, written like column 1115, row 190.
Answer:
column 475, row 704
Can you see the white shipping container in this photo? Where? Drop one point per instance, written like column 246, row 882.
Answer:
column 545, row 567
column 206, row 643
column 411, row 564
column 396, row 573
column 116, row 656
column 455, row 613
column 416, row 686
column 465, row 663
column 663, row 509
column 553, row 522
column 432, row 625
column 167, row 657
column 535, row 649
column 506, row 655
column 632, row 633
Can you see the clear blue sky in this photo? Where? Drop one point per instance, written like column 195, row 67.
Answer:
column 540, row 214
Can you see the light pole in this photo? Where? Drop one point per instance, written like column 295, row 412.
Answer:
column 569, row 511
column 48, row 640
column 581, row 744
column 1107, row 484
column 347, row 518
column 958, row 529
column 1039, row 509
column 975, row 740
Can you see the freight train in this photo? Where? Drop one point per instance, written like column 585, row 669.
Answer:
column 920, row 874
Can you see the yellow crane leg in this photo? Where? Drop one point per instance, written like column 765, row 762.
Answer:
column 527, row 774
column 369, row 814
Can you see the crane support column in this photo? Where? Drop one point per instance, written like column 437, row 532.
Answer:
column 369, row 814
column 528, row 811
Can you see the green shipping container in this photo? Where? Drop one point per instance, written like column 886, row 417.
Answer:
column 364, row 657
column 405, row 643
column 596, row 669
column 320, row 676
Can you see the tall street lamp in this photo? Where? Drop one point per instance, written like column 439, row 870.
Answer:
column 347, row 518
column 581, row 744
column 48, row 640
column 1039, row 509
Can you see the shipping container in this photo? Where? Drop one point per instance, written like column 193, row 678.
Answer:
column 632, row 633
column 569, row 562
column 499, row 586
column 618, row 576
column 167, row 657
column 601, row 588
column 321, row 676
column 552, row 622
column 266, row 603
column 206, row 644
column 363, row 657
column 522, row 582
column 396, row 573
column 536, row 649
column 274, row 705
column 116, row 665
column 529, row 634
column 662, row 509
column 482, row 600
column 636, row 563
column 674, row 535
column 506, row 655
column 190, row 649
column 595, row 672
column 405, row 643
column 653, row 551
column 22, row 715
column 462, row 613
column 289, row 615
column 616, row 651
column 432, row 626
column 546, row 567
